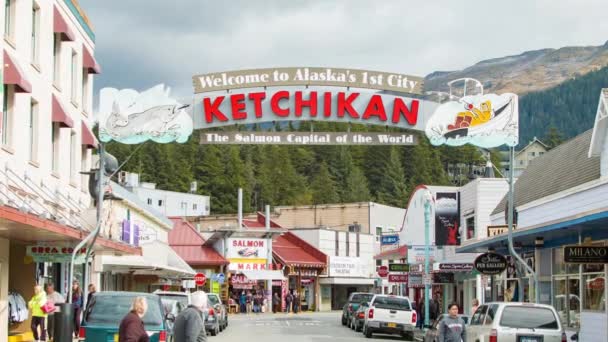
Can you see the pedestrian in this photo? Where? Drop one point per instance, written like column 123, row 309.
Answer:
column 276, row 303
column 131, row 327
column 249, row 302
column 420, row 309
column 189, row 325
column 452, row 328
column 434, row 308
column 53, row 297
column 296, row 302
column 475, row 306
column 76, row 306
column 243, row 302
column 288, row 301
column 92, row 291
column 38, row 315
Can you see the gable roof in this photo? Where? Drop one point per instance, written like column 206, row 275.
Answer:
column 535, row 140
column 184, row 234
column 564, row 167
column 293, row 251
column 186, row 241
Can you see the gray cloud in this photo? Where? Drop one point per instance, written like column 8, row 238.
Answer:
column 143, row 43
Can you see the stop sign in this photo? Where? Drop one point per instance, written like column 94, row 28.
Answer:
column 200, row 279
column 383, row 271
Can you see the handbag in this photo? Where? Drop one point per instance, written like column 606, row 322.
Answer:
column 48, row 307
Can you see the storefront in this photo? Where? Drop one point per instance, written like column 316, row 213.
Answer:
column 346, row 275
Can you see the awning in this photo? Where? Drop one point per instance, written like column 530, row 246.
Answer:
column 264, row 275
column 157, row 258
column 346, row 281
column 88, row 62
column 59, row 115
column 14, row 75
column 290, row 250
column 88, row 139
column 61, row 26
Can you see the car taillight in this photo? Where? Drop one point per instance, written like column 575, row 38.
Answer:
column 370, row 314
column 493, row 336
column 350, row 307
column 82, row 333
column 564, row 337
column 211, row 312
column 361, row 315
column 414, row 317
column 162, row 337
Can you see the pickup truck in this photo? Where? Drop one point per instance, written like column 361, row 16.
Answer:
column 390, row 315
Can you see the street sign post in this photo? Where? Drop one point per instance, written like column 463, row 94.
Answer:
column 200, row 279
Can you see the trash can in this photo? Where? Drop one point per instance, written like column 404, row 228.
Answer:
column 64, row 323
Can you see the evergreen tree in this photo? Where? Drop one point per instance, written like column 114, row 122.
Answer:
column 393, row 189
column 323, row 187
column 553, row 137
column 356, row 189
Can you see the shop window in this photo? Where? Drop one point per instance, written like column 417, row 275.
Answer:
column 470, row 222
column 593, row 292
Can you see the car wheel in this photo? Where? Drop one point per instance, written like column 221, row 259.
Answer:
column 350, row 325
column 212, row 332
column 408, row 336
column 368, row 332
column 343, row 320
column 357, row 329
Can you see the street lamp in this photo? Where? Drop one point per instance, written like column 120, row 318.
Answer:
column 428, row 199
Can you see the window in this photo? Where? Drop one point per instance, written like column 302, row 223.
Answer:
column 470, row 222
column 358, row 246
column 57, row 61
column 354, row 228
column 528, row 318
column 149, row 201
column 7, row 115
column 541, row 153
column 479, row 315
column 531, row 154
column 347, row 244
column 9, row 22
column 194, row 206
column 85, row 91
column 378, row 233
column 83, row 166
column 32, row 131
column 160, row 203
column 492, row 309
column 35, row 33
column 74, row 71
column 593, row 293
column 521, row 162
column 73, row 153
column 378, row 262
column 55, row 134
column 337, row 243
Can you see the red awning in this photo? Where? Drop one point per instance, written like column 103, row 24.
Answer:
column 188, row 244
column 14, row 75
column 61, row 26
column 399, row 253
column 89, row 62
column 59, row 115
column 293, row 251
column 88, row 138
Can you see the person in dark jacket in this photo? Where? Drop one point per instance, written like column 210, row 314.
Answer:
column 276, row 303
column 131, row 327
column 288, row 301
column 189, row 325
column 76, row 305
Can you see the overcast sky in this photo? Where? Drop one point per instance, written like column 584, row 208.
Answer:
column 140, row 43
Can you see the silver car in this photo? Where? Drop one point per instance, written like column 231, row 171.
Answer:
column 515, row 322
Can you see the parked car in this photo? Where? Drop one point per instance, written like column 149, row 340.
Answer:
column 219, row 309
column 432, row 335
column 358, row 317
column 389, row 314
column 104, row 312
column 352, row 304
column 171, row 308
column 182, row 297
column 515, row 322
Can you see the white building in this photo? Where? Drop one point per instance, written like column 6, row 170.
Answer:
column 45, row 142
column 351, row 264
column 169, row 203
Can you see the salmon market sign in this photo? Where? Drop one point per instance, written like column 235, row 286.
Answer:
column 263, row 98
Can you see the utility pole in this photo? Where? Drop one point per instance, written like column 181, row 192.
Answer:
column 428, row 198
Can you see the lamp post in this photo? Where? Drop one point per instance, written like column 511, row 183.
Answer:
column 428, row 198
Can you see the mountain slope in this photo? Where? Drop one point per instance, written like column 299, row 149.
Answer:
column 529, row 71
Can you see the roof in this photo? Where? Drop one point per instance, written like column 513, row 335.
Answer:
column 260, row 222
column 188, row 244
column 293, row 251
column 600, row 126
column 399, row 253
column 564, row 167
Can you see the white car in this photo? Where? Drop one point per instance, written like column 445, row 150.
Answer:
column 390, row 315
column 515, row 322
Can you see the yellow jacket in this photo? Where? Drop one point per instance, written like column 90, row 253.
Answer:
column 35, row 304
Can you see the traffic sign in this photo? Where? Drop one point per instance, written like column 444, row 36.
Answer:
column 383, row 271
column 200, row 279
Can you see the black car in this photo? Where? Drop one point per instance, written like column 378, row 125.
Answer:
column 358, row 317
column 354, row 300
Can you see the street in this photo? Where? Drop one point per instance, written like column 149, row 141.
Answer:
column 298, row 328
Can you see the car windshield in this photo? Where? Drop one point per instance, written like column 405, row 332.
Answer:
column 393, row 303
column 110, row 310
column 213, row 300
column 361, row 297
column 529, row 318
column 182, row 299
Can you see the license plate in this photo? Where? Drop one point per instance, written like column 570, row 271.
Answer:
column 392, row 325
column 530, row 339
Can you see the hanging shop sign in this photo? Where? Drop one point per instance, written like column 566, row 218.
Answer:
column 447, row 219
column 456, row 267
column 415, row 280
column 577, row 254
column 304, row 272
column 398, row 267
column 443, row 278
column 397, row 278
column 490, row 263
column 416, row 254
column 239, row 281
column 246, row 248
column 345, row 267
column 253, row 266
column 307, row 76
column 56, row 253
column 392, row 239
column 311, row 138
column 499, row 229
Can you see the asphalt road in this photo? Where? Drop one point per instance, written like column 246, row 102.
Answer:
column 318, row 327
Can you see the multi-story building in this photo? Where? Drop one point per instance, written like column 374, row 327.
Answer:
column 45, row 142
column 524, row 157
column 169, row 203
